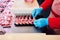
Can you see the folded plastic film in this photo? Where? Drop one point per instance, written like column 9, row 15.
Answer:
column 21, row 7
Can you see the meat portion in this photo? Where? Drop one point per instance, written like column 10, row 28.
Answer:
column 29, row 1
column 6, row 18
column 19, row 18
column 24, row 20
column 30, row 20
column 16, row 20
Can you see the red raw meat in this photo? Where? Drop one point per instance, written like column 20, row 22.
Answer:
column 30, row 20
column 17, row 21
column 26, row 20
column 29, row 1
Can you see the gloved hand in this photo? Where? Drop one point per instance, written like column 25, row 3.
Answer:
column 42, row 22
column 36, row 12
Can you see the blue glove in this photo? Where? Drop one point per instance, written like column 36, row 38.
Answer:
column 36, row 12
column 42, row 22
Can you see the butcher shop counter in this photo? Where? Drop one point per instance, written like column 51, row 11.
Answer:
column 22, row 29
column 27, row 29
column 21, row 7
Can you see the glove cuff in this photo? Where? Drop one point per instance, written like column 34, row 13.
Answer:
column 41, row 8
column 47, row 21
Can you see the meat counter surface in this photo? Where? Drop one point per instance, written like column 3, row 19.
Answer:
column 21, row 7
column 22, row 29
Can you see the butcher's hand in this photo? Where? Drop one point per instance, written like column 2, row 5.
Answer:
column 36, row 12
column 41, row 23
